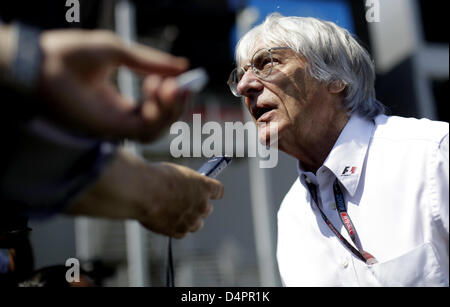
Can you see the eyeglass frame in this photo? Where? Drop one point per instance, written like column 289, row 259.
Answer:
column 233, row 88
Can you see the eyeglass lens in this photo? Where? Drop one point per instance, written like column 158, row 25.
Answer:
column 261, row 65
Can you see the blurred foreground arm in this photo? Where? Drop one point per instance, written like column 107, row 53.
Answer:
column 165, row 198
column 74, row 78
column 78, row 175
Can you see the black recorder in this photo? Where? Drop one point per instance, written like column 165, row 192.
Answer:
column 212, row 169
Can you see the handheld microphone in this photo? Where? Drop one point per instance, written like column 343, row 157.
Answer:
column 213, row 167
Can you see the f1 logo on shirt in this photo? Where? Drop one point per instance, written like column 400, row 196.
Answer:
column 349, row 170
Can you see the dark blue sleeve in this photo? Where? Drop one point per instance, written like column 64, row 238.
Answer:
column 49, row 169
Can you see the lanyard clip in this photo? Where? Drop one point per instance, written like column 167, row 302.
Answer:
column 370, row 260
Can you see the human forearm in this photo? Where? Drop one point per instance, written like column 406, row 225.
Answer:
column 166, row 198
column 110, row 195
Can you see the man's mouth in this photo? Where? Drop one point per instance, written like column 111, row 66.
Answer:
column 258, row 112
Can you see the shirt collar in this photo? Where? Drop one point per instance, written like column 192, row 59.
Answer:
column 346, row 158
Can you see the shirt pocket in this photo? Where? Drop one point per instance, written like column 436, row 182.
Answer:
column 416, row 268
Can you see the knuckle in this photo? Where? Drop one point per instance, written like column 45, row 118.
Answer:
column 203, row 206
column 182, row 227
column 152, row 83
column 179, row 235
column 210, row 209
column 197, row 226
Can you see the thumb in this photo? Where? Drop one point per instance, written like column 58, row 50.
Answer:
column 215, row 188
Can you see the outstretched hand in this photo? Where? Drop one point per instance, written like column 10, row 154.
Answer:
column 75, row 78
column 166, row 198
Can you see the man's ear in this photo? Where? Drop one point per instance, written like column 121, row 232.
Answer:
column 336, row 86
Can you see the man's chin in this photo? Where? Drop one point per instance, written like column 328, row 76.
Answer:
column 268, row 133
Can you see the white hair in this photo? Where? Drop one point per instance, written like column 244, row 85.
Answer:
column 331, row 53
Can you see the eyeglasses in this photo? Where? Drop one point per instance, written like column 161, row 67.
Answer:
column 261, row 64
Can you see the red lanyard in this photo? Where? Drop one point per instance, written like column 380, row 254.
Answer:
column 345, row 219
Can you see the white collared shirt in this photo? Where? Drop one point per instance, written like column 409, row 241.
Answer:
column 394, row 173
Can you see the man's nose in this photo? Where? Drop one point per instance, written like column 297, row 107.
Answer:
column 249, row 84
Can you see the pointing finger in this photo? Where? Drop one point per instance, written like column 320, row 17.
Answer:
column 149, row 60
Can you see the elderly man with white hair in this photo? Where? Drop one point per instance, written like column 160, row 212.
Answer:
column 370, row 205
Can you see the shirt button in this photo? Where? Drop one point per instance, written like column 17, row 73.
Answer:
column 345, row 263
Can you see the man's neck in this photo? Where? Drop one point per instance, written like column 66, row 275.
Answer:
column 314, row 152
